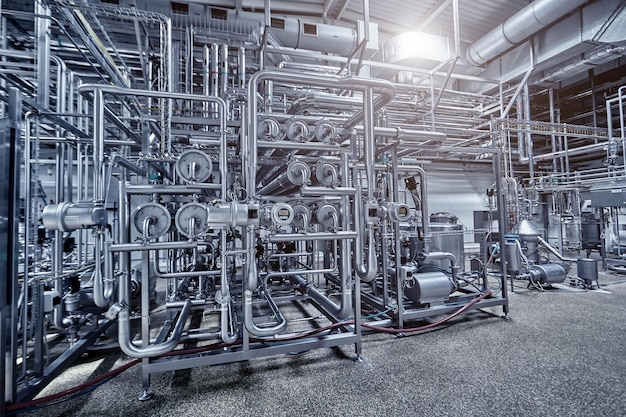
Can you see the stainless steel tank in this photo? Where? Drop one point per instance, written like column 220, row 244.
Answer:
column 587, row 270
column 447, row 236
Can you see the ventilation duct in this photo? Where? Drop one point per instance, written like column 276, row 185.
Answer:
column 297, row 34
column 595, row 57
column 519, row 27
column 413, row 47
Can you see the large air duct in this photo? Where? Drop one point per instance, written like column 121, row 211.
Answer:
column 519, row 27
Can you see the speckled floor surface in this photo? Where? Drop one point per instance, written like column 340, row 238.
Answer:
column 563, row 353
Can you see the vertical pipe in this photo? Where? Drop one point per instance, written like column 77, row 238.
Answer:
column 225, row 318
column 242, row 67
column 553, row 137
column 223, row 148
column 593, row 100
column 27, row 232
column 622, row 126
column 366, row 23
column 502, row 216
column 42, row 29
column 189, row 77
column 214, row 70
column 206, row 79
column 425, row 219
column 369, row 141
column 396, row 229
column 528, row 136
column 223, row 69
column 10, row 248
column 57, row 248
column 457, row 30
column 98, row 144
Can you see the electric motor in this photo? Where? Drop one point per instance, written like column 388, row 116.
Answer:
column 426, row 287
column 547, row 273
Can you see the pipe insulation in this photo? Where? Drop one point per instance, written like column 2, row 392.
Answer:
column 526, row 23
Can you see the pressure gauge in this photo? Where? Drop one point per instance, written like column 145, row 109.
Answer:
column 282, row 214
column 194, row 166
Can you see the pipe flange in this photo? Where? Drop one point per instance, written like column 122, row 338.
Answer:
column 301, row 216
column 298, row 173
column 268, row 129
column 157, row 215
column 194, row 213
column 327, row 174
column 324, row 132
column 327, row 215
column 297, row 130
column 194, row 166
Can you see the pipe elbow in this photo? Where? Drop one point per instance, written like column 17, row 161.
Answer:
column 255, row 330
column 368, row 272
column 128, row 346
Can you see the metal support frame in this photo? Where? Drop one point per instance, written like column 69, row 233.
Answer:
column 10, row 157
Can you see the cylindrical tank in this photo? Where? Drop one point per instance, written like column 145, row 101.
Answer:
column 591, row 234
column 513, row 258
column 447, row 236
column 587, row 270
column 528, row 233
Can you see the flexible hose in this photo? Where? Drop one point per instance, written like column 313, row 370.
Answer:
column 70, row 391
column 43, row 401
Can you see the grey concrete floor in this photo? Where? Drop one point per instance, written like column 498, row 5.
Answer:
column 562, row 353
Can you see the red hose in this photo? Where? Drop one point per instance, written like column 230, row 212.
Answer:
column 70, row 391
column 113, row 372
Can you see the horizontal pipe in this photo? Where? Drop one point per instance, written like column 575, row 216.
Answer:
column 323, row 191
column 291, row 237
column 301, row 146
column 169, row 189
column 129, row 247
column 519, row 27
column 341, row 312
column 581, row 150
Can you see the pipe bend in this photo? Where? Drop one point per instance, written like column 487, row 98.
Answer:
column 227, row 337
column 128, row 346
column 341, row 312
column 252, row 328
column 434, row 256
column 368, row 272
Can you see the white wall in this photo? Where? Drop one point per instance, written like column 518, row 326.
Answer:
column 459, row 193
